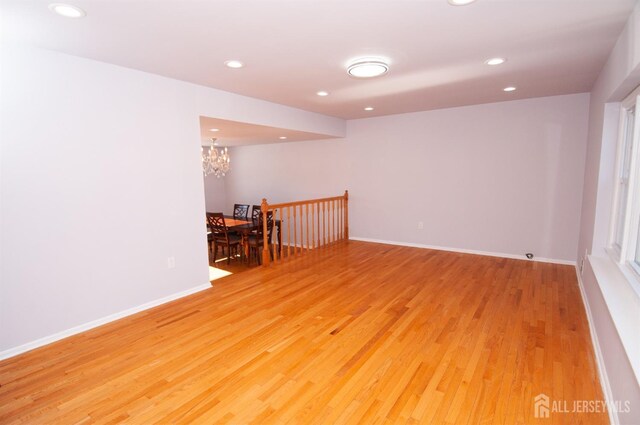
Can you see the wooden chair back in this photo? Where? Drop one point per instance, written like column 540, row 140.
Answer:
column 240, row 211
column 270, row 226
column 217, row 226
column 255, row 213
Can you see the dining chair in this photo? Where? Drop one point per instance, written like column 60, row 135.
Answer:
column 240, row 211
column 256, row 240
column 220, row 236
column 255, row 212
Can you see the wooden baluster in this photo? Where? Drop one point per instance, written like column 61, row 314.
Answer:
column 298, row 245
column 333, row 220
column 328, row 222
column 301, row 231
column 340, row 219
column 280, row 244
column 317, row 225
column 346, row 214
column 306, row 212
column 295, row 232
column 264, row 208
column 273, row 243
column 328, row 204
column 329, row 219
column 275, row 231
column 288, row 231
column 329, row 215
column 332, row 236
column 324, row 223
column 313, row 225
column 301, row 228
column 316, row 228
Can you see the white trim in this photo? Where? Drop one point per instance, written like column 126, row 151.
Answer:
column 602, row 371
column 98, row 322
column 466, row 251
column 622, row 302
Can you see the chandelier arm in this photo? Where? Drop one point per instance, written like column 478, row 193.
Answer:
column 215, row 161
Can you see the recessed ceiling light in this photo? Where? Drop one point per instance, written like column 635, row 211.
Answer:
column 495, row 61
column 369, row 108
column 322, row 93
column 214, row 129
column 510, row 88
column 367, row 67
column 282, row 137
column 460, row 2
column 67, row 10
column 234, row 64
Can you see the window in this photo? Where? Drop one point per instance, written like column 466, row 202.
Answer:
column 624, row 169
column 625, row 229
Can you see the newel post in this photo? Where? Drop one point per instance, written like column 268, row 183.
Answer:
column 264, row 210
column 346, row 214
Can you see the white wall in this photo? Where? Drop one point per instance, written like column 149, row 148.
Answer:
column 613, row 305
column 215, row 194
column 285, row 171
column 101, row 182
column 503, row 177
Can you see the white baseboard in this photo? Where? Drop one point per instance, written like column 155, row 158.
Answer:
column 602, row 371
column 466, row 251
column 98, row 322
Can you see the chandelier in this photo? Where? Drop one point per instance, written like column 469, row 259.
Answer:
column 215, row 161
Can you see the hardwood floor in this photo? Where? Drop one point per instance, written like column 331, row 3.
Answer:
column 366, row 333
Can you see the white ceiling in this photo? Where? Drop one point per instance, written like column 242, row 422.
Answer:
column 234, row 133
column 294, row 48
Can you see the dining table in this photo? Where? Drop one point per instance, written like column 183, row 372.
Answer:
column 245, row 228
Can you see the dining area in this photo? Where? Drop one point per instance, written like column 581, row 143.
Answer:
column 240, row 236
column 264, row 234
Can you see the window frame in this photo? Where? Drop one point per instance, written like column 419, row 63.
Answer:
column 624, row 253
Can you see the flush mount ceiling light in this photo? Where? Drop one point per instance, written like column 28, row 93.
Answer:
column 67, row 10
column 214, row 129
column 283, row 137
column 367, row 67
column 495, row 61
column 460, row 2
column 510, row 88
column 369, row 108
column 235, row 64
column 322, row 93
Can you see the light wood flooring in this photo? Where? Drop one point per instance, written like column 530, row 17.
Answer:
column 352, row 333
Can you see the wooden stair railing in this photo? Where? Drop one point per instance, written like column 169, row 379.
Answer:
column 306, row 225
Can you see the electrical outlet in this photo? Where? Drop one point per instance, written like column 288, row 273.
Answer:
column 171, row 262
column 420, row 225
